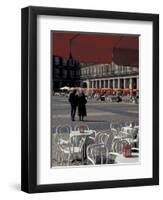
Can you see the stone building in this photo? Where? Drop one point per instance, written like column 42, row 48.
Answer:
column 109, row 76
column 66, row 72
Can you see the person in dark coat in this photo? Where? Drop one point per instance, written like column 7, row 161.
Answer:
column 119, row 99
column 82, row 106
column 73, row 99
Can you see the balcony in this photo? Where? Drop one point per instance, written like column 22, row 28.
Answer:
column 109, row 74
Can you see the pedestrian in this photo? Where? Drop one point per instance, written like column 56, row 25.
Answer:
column 82, row 106
column 119, row 99
column 73, row 99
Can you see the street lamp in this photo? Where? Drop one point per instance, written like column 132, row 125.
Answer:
column 70, row 43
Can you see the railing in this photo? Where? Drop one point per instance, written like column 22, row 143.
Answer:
column 110, row 74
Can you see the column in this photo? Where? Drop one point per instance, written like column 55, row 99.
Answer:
column 108, row 83
column 130, row 83
column 113, row 83
column 124, row 83
column 119, row 83
column 88, row 84
column 99, row 83
column 96, row 84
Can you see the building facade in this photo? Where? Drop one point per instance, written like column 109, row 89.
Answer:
column 109, row 76
column 66, row 72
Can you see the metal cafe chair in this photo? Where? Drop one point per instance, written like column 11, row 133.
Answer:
column 69, row 152
column 62, row 140
column 77, row 127
column 99, row 136
column 63, row 133
column 109, row 142
column 118, row 144
column 97, row 139
column 130, row 134
column 97, row 154
column 78, row 151
column 65, row 153
column 124, row 139
column 96, row 151
column 115, row 128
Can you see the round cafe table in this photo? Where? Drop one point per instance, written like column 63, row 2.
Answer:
column 84, row 134
column 127, row 129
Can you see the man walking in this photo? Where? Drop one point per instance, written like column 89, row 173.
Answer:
column 73, row 99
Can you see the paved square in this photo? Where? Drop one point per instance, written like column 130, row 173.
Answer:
column 99, row 113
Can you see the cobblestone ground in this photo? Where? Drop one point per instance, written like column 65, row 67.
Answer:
column 99, row 115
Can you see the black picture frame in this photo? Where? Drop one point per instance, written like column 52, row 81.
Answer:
column 29, row 98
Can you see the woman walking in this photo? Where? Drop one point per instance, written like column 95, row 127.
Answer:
column 82, row 106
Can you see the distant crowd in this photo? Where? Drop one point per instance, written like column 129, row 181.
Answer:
column 114, row 97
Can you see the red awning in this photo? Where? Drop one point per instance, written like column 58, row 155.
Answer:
column 96, row 48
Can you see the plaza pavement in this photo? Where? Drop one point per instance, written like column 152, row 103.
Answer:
column 99, row 113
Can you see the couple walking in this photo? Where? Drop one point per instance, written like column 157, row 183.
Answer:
column 78, row 101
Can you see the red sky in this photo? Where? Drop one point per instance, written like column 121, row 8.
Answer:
column 96, row 48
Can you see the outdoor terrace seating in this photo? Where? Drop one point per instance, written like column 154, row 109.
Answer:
column 83, row 146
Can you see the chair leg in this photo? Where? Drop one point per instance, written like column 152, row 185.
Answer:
column 69, row 157
column 82, row 158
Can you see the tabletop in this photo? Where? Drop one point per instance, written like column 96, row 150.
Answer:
column 85, row 133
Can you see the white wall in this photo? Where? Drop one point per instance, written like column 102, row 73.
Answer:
column 10, row 85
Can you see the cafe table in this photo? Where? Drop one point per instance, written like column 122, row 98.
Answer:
column 85, row 133
column 127, row 129
column 76, row 134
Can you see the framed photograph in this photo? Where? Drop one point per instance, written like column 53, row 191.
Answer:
column 90, row 99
